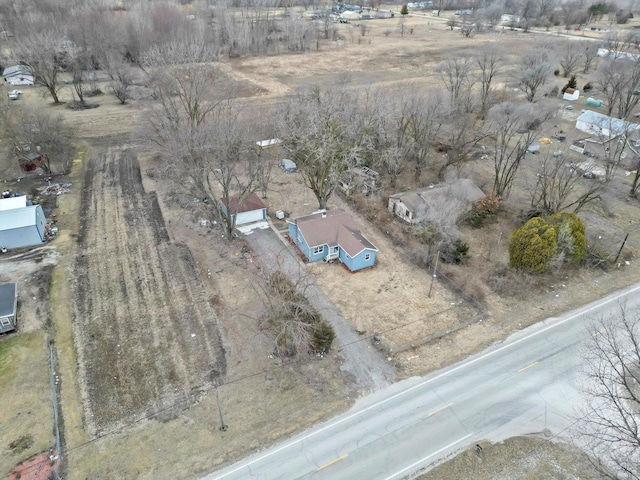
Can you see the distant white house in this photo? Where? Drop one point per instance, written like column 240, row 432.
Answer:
column 571, row 94
column 507, row 18
column 21, row 225
column 349, row 15
column 18, row 75
column 596, row 123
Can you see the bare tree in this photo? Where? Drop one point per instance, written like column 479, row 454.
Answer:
column 461, row 134
column 201, row 140
column 609, row 421
column 121, row 83
column 421, row 119
column 40, row 52
column 514, row 127
column 35, row 132
column 573, row 13
column 559, row 187
column 533, row 71
column 571, row 55
column 456, row 77
column 589, row 57
column 319, row 139
column 490, row 63
column 620, row 84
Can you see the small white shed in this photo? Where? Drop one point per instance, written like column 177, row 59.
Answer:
column 571, row 94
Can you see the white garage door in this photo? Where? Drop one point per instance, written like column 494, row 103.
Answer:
column 248, row 217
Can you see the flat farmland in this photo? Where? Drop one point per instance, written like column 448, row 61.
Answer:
column 146, row 333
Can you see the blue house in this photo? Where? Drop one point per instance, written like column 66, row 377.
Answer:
column 332, row 235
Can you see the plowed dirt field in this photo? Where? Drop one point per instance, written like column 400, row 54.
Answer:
column 146, row 333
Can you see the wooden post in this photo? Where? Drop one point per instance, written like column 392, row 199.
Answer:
column 621, row 247
column 435, row 268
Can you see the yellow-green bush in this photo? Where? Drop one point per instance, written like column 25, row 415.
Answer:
column 533, row 246
column 541, row 242
column 571, row 237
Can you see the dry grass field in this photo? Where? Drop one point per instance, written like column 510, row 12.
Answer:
column 159, row 305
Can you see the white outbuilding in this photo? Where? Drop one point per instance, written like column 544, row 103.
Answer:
column 21, row 225
column 18, row 75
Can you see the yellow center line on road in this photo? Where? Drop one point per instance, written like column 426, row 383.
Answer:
column 440, row 409
column 528, row 366
column 332, row 462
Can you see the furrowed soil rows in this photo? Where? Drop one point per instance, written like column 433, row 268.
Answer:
column 147, row 335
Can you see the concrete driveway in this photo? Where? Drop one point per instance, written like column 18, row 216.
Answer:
column 365, row 363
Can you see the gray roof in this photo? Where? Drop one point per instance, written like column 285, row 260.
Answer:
column 18, row 217
column 336, row 227
column 462, row 188
column 13, row 202
column 7, row 299
column 16, row 70
column 603, row 121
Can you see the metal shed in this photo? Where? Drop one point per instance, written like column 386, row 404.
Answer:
column 8, row 307
column 21, row 225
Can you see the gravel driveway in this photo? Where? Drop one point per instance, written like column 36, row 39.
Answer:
column 365, row 363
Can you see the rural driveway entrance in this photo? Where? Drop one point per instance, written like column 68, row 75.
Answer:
column 363, row 361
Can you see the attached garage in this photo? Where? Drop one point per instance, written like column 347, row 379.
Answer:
column 250, row 210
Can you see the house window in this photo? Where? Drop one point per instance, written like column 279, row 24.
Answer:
column 318, row 250
column 367, row 257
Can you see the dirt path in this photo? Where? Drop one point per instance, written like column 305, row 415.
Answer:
column 146, row 333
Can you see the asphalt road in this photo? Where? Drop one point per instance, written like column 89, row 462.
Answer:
column 527, row 384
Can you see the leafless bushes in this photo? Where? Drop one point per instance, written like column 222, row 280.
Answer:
column 296, row 327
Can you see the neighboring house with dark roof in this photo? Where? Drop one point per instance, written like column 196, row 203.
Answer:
column 8, row 307
column 250, row 210
column 332, row 235
column 18, row 75
column 412, row 206
column 21, row 225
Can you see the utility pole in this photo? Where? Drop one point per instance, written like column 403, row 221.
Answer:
column 223, row 426
column 621, row 247
column 435, row 268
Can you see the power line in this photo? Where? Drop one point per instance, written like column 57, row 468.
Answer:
column 207, row 388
